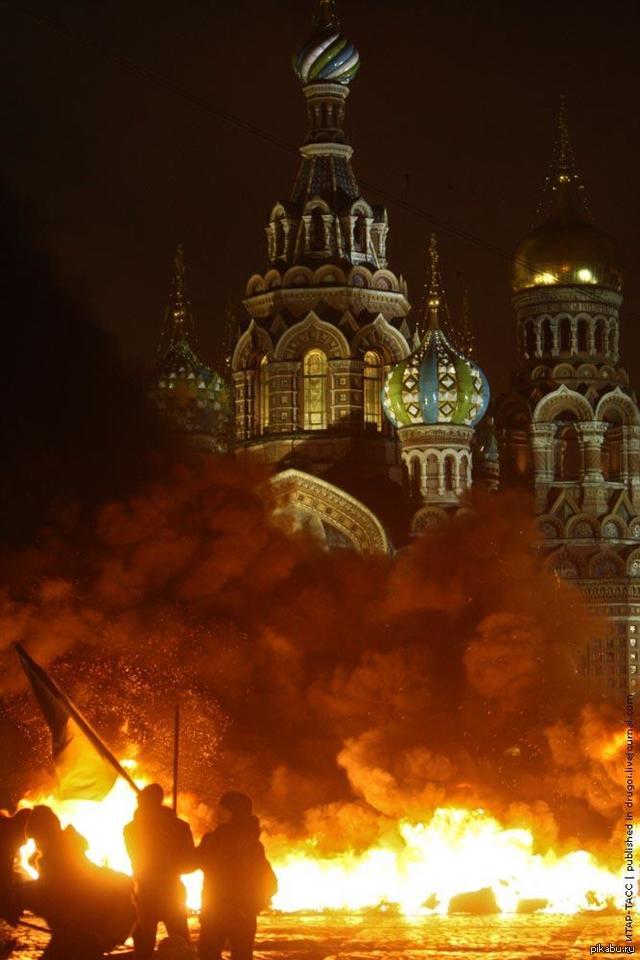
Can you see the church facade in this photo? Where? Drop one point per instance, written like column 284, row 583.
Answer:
column 376, row 425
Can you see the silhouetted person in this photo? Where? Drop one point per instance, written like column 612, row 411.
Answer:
column 89, row 909
column 238, row 881
column 161, row 849
column 13, row 834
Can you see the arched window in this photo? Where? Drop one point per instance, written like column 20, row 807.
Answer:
column 414, row 478
column 568, row 458
column 360, row 234
column 432, row 475
column 612, row 447
column 464, row 474
column 601, row 337
column 262, row 396
column 314, row 391
column 565, row 335
column 583, row 336
column 318, row 240
column 449, row 466
column 529, row 340
column 281, row 242
column 547, row 337
column 373, row 377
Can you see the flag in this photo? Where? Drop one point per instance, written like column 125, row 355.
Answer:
column 85, row 767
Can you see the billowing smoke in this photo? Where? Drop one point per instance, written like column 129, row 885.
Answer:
column 344, row 692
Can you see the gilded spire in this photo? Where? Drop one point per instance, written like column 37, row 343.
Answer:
column 468, row 338
column 564, row 191
column 179, row 327
column 434, row 295
column 325, row 15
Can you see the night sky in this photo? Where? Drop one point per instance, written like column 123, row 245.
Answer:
column 106, row 169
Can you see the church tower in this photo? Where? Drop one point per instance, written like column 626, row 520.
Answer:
column 435, row 398
column 192, row 400
column 327, row 317
column 570, row 427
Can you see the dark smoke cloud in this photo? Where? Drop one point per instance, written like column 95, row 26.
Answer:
column 344, row 692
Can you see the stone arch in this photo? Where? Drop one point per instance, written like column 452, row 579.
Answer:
column 385, row 280
column 561, row 400
column 564, row 325
column 312, row 332
column 327, row 274
column 551, row 528
column 607, row 372
column 380, row 335
column 633, row 526
column 601, row 335
column 563, row 371
column 273, row 280
column 564, row 564
column 587, row 371
column 310, row 502
column 582, row 527
column 254, row 341
column 613, row 527
column 255, row 285
column 620, row 405
column 413, row 464
column 529, row 346
column 298, row 277
column 540, row 373
column 360, row 277
column 605, row 564
column 633, row 563
column 428, row 519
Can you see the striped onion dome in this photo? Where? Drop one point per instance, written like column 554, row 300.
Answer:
column 435, row 384
column 327, row 56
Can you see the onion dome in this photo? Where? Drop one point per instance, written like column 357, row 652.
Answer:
column 191, row 397
column 436, row 384
column 327, row 56
column 567, row 248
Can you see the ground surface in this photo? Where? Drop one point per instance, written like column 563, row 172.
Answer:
column 432, row 938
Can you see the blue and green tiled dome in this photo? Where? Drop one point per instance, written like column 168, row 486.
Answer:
column 435, row 384
column 327, row 56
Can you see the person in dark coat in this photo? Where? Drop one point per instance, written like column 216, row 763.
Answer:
column 238, row 881
column 88, row 909
column 161, row 848
column 13, row 835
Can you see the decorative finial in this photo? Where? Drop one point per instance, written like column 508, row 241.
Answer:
column 435, row 285
column 178, row 324
column 467, row 333
column 563, row 186
column 325, row 15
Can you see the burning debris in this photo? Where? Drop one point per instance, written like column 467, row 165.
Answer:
column 414, row 729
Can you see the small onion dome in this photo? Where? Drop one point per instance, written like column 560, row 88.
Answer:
column 435, row 385
column 190, row 396
column 327, row 57
column 568, row 250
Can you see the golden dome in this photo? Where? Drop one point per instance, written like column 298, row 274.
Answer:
column 570, row 251
column 567, row 248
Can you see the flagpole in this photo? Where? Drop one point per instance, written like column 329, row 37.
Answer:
column 96, row 741
column 176, row 755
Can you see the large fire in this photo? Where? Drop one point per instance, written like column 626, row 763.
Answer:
column 457, row 851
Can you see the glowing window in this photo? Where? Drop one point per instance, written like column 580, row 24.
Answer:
column 585, row 276
column 373, row 375
column 262, row 394
column 545, row 279
column 314, row 391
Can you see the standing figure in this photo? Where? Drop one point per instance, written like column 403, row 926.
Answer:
column 89, row 909
column 13, row 834
column 238, row 881
column 161, row 848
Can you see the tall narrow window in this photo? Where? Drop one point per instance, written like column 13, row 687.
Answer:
column 373, row 376
column 262, row 394
column 314, row 391
column 318, row 239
